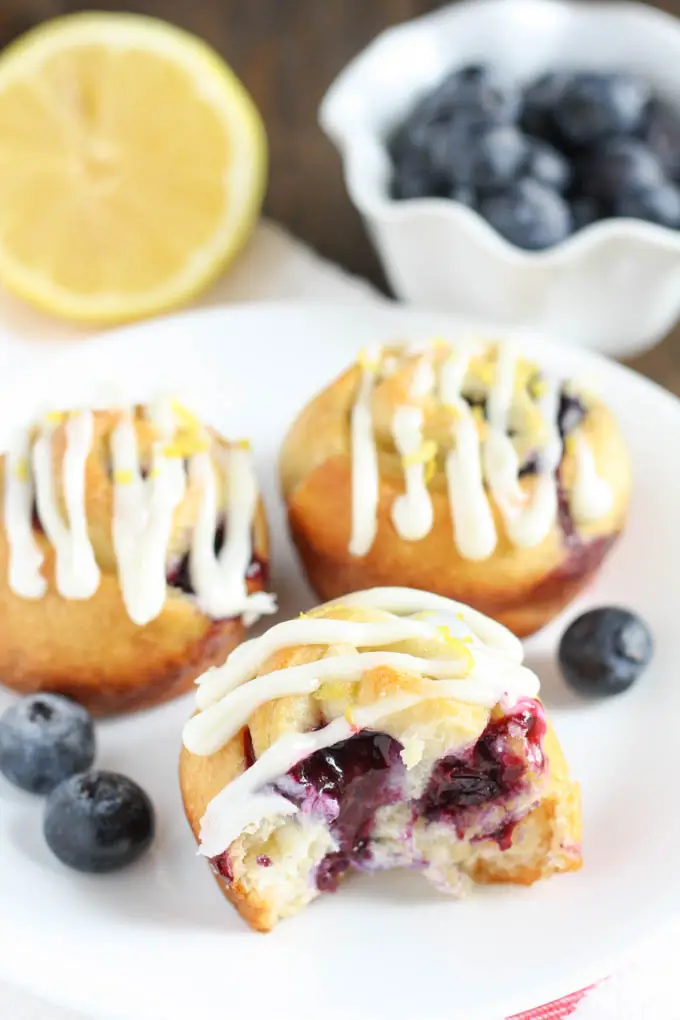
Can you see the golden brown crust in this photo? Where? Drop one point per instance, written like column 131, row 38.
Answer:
column 90, row 650
column 522, row 588
column 200, row 780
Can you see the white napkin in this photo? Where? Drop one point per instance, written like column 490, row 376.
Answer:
column 275, row 266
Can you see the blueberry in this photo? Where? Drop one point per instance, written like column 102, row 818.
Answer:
column 464, row 194
column 586, row 210
column 529, row 215
column 656, row 205
column 44, row 739
column 605, row 651
column 412, row 139
column 540, row 99
column 98, row 821
column 413, row 178
column 487, row 158
column 617, row 167
column 545, row 164
column 596, row 105
column 481, row 93
column 661, row 132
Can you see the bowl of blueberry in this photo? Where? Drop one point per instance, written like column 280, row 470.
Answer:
column 519, row 161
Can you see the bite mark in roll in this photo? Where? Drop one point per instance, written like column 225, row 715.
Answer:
column 391, row 728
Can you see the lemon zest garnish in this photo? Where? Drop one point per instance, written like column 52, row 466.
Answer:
column 460, row 616
column 183, row 445
column 332, row 690
column 426, row 453
column 423, row 614
column 457, row 645
column 242, row 444
column 484, row 371
column 123, row 476
column 55, row 417
column 21, row 470
column 187, row 417
column 538, row 387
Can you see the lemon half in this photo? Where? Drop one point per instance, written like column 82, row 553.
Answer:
column 132, row 166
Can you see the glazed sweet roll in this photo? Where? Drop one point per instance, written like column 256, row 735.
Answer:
column 463, row 469
column 133, row 554
column 389, row 729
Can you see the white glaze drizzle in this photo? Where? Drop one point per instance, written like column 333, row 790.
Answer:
column 365, row 478
column 143, row 512
column 473, row 525
column 220, row 580
column 412, row 513
column 533, row 522
column 472, row 467
column 497, row 675
column 77, row 574
column 591, row 497
column 501, row 463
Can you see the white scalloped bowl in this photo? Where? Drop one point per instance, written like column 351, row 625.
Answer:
column 614, row 286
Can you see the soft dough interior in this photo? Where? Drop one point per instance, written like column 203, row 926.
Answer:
column 499, row 810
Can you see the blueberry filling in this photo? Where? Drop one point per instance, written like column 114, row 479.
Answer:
column 348, row 783
column 487, row 772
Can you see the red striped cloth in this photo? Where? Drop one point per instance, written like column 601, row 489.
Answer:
column 557, row 1010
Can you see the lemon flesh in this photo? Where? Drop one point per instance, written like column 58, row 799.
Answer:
column 132, row 167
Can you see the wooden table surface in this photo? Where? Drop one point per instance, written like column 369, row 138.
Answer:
column 287, row 52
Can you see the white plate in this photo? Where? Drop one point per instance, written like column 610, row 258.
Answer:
column 158, row 942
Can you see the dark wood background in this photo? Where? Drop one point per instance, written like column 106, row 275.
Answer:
column 287, row 52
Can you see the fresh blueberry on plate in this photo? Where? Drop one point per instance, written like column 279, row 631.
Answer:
column 529, row 215
column 617, row 167
column 595, row 105
column 44, row 739
column 656, row 205
column 604, row 651
column 548, row 166
column 98, row 821
column 661, row 132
